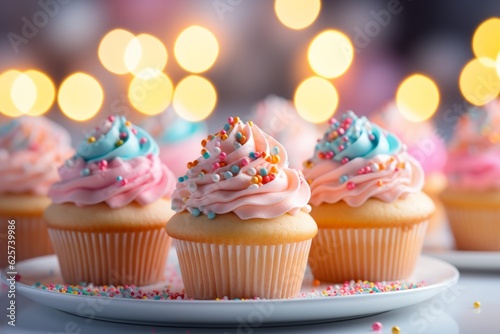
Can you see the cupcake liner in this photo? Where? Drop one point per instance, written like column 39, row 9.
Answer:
column 31, row 238
column 117, row 258
column 373, row 254
column 212, row 271
column 475, row 229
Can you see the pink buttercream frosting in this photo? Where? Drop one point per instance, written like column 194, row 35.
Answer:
column 242, row 170
column 474, row 156
column 421, row 138
column 356, row 161
column 31, row 148
column 116, row 164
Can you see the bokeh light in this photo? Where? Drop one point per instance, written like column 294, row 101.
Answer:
column 46, row 92
column 417, row 98
column 31, row 92
column 7, row 106
column 330, row 54
column 195, row 98
column 479, row 82
column 23, row 93
column 297, row 14
column 196, row 49
column 143, row 53
column 80, row 96
column 316, row 99
column 151, row 94
column 486, row 39
column 112, row 48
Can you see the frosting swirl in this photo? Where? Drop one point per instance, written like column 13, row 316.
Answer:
column 31, row 148
column 474, row 156
column 116, row 164
column 356, row 160
column 241, row 170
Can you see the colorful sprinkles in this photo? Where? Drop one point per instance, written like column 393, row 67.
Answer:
column 132, row 292
column 343, row 134
column 214, row 158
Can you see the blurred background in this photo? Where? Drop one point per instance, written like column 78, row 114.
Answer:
column 80, row 61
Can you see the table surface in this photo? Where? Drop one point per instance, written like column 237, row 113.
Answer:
column 450, row 311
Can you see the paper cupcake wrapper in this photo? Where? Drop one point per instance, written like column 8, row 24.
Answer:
column 475, row 229
column 31, row 238
column 212, row 271
column 373, row 254
column 116, row 258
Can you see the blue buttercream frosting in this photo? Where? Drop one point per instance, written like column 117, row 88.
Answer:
column 353, row 137
column 116, row 137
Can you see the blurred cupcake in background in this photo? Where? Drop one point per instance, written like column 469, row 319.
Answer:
column 426, row 146
column 278, row 117
column 179, row 140
column 472, row 198
column 31, row 148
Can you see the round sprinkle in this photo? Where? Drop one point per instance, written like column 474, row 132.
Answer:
column 230, row 120
column 119, row 178
column 215, row 177
column 85, row 172
column 316, row 282
column 235, row 169
column 123, row 135
column 226, row 127
column 143, row 140
column 251, row 171
column 245, row 162
column 69, row 163
column 376, row 326
column 371, row 137
column 374, row 167
column 477, row 304
column 119, row 142
column 134, row 131
column 192, row 187
column 211, row 215
column 228, row 175
column 275, row 150
column 91, row 139
column 216, row 150
column 239, row 135
column 236, row 145
column 263, row 172
column 351, row 185
column 396, row 330
column 343, row 179
column 253, row 186
column 201, row 176
column 195, row 212
column 222, row 156
column 123, row 182
column 345, row 160
column 206, row 155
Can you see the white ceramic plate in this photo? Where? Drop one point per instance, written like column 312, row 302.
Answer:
column 437, row 274
column 440, row 244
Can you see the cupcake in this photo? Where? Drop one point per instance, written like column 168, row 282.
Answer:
column 242, row 227
column 30, row 150
column 425, row 145
column 472, row 198
column 367, row 201
column 279, row 118
column 107, row 214
column 179, row 140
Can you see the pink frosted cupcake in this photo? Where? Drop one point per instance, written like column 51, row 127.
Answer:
column 367, row 201
column 472, row 198
column 107, row 216
column 425, row 145
column 242, row 227
column 278, row 118
column 31, row 148
column 178, row 139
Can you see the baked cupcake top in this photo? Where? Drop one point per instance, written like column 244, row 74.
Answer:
column 241, row 170
column 31, row 148
column 357, row 160
column 279, row 119
column 422, row 140
column 116, row 164
column 474, row 151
